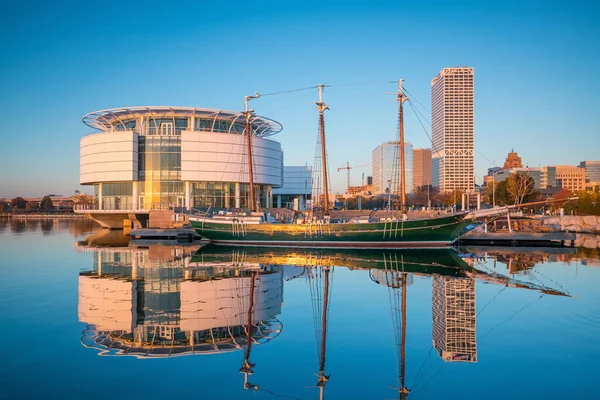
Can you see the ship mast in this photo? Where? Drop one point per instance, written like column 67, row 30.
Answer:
column 321, row 106
column 401, row 98
column 247, row 366
column 248, row 114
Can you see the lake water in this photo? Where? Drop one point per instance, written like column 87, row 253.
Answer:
column 101, row 318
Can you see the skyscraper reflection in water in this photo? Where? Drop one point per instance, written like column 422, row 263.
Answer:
column 454, row 319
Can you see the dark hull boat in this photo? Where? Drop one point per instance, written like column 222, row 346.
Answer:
column 419, row 233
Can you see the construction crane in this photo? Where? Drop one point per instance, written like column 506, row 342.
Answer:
column 348, row 167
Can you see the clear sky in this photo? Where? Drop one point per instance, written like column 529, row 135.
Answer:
column 537, row 66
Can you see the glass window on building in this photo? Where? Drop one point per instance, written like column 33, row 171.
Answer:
column 117, row 196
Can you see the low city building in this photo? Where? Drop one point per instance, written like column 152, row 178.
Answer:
column 421, row 168
column 570, row 177
column 297, row 188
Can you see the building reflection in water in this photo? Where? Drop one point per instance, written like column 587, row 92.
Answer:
column 161, row 301
column 454, row 320
column 156, row 303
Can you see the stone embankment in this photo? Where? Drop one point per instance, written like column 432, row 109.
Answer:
column 587, row 228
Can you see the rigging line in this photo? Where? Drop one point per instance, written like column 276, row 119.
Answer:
column 425, row 130
column 491, row 162
column 417, row 100
column 417, row 377
column 288, row 91
column 426, row 383
column 550, row 279
column 511, row 317
column 363, row 84
column 489, row 302
column 278, row 395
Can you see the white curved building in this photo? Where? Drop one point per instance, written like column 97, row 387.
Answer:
column 145, row 158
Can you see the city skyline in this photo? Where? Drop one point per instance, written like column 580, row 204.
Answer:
column 56, row 73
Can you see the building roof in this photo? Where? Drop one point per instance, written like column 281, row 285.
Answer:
column 104, row 120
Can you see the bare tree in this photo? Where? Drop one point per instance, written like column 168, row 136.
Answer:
column 519, row 186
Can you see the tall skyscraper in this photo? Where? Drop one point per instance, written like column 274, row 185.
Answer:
column 454, row 319
column 383, row 163
column 452, row 129
column 421, row 167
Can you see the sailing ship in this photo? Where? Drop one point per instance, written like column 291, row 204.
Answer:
column 256, row 228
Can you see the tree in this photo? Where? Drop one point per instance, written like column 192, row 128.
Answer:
column 519, row 187
column 31, row 206
column 19, row 202
column 46, row 203
column 501, row 193
column 3, row 207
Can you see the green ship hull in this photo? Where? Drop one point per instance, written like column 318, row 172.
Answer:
column 422, row 233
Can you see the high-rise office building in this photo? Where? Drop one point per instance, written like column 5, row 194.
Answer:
column 421, row 167
column 454, row 319
column 386, row 168
column 452, row 129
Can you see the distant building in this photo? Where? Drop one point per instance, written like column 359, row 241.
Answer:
column 452, row 129
column 385, row 164
column 421, row 167
column 534, row 173
column 296, row 189
column 513, row 161
column 454, row 319
column 547, row 177
column 570, row 177
column 592, row 171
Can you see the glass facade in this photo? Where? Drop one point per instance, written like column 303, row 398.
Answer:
column 117, row 196
column 222, row 195
column 159, row 163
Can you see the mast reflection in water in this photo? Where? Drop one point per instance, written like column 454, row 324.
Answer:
column 166, row 301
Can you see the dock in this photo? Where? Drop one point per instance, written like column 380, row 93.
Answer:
column 179, row 234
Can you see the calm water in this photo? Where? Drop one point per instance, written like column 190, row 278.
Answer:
column 160, row 321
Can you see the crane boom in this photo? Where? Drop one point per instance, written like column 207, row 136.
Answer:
column 348, row 168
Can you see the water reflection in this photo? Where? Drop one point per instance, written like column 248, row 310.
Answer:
column 166, row 301
column 156, row 302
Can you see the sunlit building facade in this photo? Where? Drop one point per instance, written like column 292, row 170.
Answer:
column 421, row 167
column 452, row 129
column 155, row 157
column 570, row 177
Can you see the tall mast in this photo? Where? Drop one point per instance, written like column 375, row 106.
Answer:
column 401, row 99
column 322, row 107
column 248, row 114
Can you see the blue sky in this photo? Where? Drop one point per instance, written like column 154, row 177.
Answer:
column 535, row 63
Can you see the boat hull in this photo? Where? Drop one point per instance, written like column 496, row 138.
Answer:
column 425, row 233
